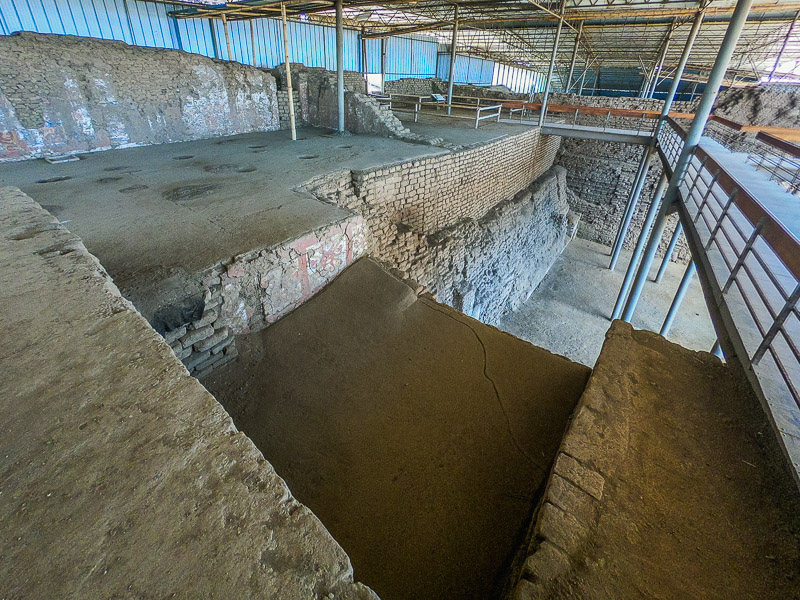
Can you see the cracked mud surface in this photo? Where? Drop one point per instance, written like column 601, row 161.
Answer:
column 418, row 436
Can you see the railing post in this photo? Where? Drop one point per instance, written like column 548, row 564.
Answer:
column 748, row 246
column 738, row 19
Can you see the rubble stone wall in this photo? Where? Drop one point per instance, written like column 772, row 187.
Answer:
column 256, row 289
column 61, row 94
column 602, row 173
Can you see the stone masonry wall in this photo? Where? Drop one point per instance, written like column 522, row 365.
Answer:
column 283, row 110
column 479, row 243
column 256, row 289
column 601, row 174
column 61, row 94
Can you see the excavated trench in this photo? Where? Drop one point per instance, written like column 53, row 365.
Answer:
column 420, row 437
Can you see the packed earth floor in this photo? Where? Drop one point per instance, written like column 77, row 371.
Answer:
column 569, row 312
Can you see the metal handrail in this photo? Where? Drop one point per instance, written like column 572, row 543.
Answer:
column 760, row 257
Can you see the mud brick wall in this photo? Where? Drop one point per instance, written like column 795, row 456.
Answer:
column 283, row 110
column 602, row 173
column 481, row 250
column 61, row 94
column 429, row 194
column 256, row 289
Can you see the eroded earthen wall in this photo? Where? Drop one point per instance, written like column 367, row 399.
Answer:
column 468, row 226
column 62, row 94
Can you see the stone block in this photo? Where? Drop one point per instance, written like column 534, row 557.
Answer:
column 207, row 343
column 175, row 334
column 195, row 359
column 192, row 337
column 561, row 528
column 546, row 563
column 588, row 480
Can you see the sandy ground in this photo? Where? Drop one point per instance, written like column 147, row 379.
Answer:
column 417, row 435
column 569, row 312
column 697, row 502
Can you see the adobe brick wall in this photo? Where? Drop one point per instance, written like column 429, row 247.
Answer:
column 601, row 175
column 468, row 226
column 433, row 85
column 61, row 94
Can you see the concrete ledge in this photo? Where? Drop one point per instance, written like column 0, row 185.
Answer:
column 121, row 475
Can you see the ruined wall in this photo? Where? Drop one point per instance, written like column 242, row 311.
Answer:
column 601, row 175
column 257, row 288
column 776, row 105
column 478, row 242
column 62, row 94
column 316, row 92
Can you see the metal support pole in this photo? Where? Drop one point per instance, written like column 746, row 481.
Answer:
column 783, row 46
column 253, row 41
column 543, row 109
column 364, row 59
column 227, row 36
column 702, row 113
column 574, row 57
column 657, row 72
column 637, row 252
column 641, row 176
column 630, row 206
column 288, row 71
column 688, row 276
column 670, row 249
column 583, row 76
column 383, row 65
column 452, row 76
column 340, row 64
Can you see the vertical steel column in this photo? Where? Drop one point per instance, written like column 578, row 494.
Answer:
column 637, row 252
column 383, row 65
column 340, row 64
column 364, row 60
column 688, row 276
column 227, row 36
column 253, row 41
column 543, row 109
column 670, row 249
column 583, row 76
column 288, row 71
column 452, row 75
column 641, row 177
column 630, row 207
column 657, row 72
column 702, row 113
column 574, row 57
column 783, row 46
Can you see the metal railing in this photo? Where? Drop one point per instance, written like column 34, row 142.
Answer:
column 754, row 260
